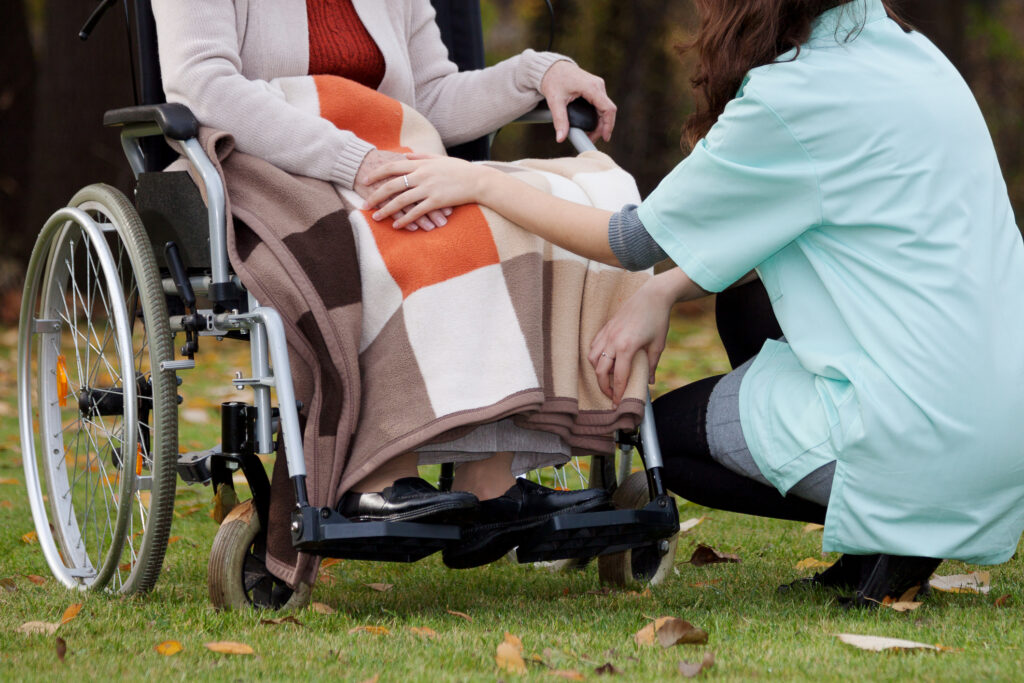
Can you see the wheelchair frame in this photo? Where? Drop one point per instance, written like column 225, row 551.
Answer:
column 248, row 431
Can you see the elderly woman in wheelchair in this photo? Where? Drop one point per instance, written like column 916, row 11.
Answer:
column 275, row 88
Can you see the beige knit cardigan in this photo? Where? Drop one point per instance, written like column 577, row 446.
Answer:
column 234, row 63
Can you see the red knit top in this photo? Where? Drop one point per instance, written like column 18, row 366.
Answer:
column 339, row 44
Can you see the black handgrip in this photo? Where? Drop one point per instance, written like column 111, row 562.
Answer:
column 582, row 115
column 175, row 120
column 180, row 276
column 94, row 18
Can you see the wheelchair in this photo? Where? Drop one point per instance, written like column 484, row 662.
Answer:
column 113, row 285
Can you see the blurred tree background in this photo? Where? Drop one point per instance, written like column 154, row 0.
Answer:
column 54, row 89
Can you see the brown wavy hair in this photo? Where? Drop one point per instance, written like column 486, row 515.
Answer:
column 738, row 35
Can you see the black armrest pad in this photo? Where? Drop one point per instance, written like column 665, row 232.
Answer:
column 582, row 114
column 175, row 120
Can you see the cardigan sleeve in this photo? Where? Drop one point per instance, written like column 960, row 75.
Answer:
column 465, row 105
column 201, row 68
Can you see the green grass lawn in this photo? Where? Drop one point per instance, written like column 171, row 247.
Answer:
column 562, row 618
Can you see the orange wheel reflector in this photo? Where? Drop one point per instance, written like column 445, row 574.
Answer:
column 138, row 461
column 62, row 381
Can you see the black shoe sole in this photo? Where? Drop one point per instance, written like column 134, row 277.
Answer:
column 439, row 513
column 486, row 543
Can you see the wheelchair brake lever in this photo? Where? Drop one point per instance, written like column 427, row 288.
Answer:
column 191, row 322
column 94, row 18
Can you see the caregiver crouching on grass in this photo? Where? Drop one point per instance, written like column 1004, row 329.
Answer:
column 839, row 159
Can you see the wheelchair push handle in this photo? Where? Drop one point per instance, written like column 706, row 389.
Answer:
column 94, row 18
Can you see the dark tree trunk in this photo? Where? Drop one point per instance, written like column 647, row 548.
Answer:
column 79, row 81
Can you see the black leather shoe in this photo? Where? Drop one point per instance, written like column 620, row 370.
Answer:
column 410, row 499
column 504, row 522
column 845, row 574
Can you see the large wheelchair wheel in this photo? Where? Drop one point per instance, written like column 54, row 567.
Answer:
column 98, row 415
column 237, row 575
column 650, row 563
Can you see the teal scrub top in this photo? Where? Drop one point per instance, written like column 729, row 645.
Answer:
column 860, row 181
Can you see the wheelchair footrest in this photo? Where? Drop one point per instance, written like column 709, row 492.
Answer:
column 590, row 534
column 325, row 532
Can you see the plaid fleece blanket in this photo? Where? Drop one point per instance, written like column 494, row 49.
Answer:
column 397, row 338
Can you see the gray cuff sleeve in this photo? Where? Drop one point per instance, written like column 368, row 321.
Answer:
column 630, row 241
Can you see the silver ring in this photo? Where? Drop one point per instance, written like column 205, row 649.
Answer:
column 605, row 355
column 406, row 179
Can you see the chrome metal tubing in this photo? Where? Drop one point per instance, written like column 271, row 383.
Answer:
column 215, row 209
column 580, row 141
column 649, row 437
column 130, row 135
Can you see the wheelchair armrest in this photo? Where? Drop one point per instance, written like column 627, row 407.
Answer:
column 582, row 115
column 176, row 121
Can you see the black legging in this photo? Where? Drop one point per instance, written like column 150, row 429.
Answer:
column 745, row 320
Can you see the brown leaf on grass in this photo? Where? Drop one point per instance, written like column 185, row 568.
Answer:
column 70, row 613
column 329, row 562
column 37, row 580
column 229, row 647
column 607, row 669
column 281, row 620
column 460, row 614
column 900, row 605
column 812, row 563
column 706, row 584
column 38, row 627
column 1002, row 600
column 380, row 587
column 125, row 567
column 811, row 528
column 509, row 655
column 692, row 669
column 6, row 504
column 372, row 679
column 62, row 648
column 568, row 674
column 30, row 538
column 321, row 608
column 173, row 539
column 190, row 510
column 11, row 481
column 169, row 647
column 669, row 631
column 373, row 630
column 8, row 585
column 690, row 524
column 224, row 501
column 881, row 644
column 423, row 632
column 975, row 582
column 705, row 554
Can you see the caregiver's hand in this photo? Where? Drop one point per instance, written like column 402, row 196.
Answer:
column 641, row 323
column 367, row 180
column 421, row 183
column 564, row 82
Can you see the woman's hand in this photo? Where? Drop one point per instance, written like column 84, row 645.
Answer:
column 421, row 184
column 563, row 83
column 641, row 323
column 368, row 179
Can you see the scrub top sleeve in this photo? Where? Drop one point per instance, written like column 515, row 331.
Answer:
column 748, row 189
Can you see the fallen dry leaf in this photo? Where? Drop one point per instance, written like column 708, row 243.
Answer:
column 321, row 608
column 975, row 582
column 13, row 482
column 423, row 631
column 37, row 580
column 509, row 655
column 692, row 669
column 1002, row 600
column 372, row 679
column 811, row 528
column 62, row 648
column 8, row 585
column 812, row 563
column 380, row 587
column 30, row 538
column 373, row 630
column 229, row 647
column 190, row 510
column 460, row 614
column 281, row 620
column 881, row 644
column 689, row 524
column 70, row 613
column 570, row 674
column 705, row 554
column 329, row 562
column 706, row 584
column 6, row 504
column 169, row 647
column 669, row 631
column 38, row 627
column 900, row 605
column 606, row 669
